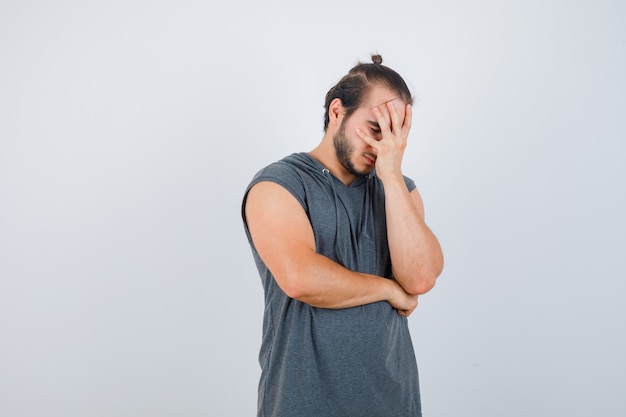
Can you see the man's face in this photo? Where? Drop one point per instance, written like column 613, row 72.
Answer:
column 356, row 156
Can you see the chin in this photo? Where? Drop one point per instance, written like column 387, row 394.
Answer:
column 366, row 169
column 363, row 172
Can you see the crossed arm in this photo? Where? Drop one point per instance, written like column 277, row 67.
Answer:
column 284, row 239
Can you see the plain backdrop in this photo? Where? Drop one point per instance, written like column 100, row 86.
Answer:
column 129, row 130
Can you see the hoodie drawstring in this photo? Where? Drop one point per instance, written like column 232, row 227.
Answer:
column 357, row 237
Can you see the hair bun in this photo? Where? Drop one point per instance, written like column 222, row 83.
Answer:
column 377, row 59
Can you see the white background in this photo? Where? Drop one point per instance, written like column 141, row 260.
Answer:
column 129, row 130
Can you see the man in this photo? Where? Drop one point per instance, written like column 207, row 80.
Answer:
column 339, row 239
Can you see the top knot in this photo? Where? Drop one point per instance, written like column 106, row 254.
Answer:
column 377, row 59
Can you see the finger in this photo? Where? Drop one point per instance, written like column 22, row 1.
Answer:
column 408, row 119
column 396, row 123
column 366, row 138
column 382, row 122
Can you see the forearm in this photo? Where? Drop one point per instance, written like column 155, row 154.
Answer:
column 321, row 282
column 284, row 239
column 416, row 255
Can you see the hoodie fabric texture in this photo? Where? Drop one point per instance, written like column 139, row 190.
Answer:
column 335, row 362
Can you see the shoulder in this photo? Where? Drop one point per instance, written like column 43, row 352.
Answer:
column 287, row 173
column 287, row 169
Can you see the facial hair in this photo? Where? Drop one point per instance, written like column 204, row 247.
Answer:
column 344, row 150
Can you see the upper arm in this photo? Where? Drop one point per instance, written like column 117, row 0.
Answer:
column 280, row 230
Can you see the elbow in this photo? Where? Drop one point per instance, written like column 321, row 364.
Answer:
column 423, row 281
column 421, row 275
column 290, row 287
column 293, row 285
column 295, row 292
column 297, row 280
column 421, row 287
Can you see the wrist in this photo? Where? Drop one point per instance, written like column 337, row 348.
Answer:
column 392, row 289
column 392, row 180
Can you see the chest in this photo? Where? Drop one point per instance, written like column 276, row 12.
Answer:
column 350, row 226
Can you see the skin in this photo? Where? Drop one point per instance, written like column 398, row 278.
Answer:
column 374, row 136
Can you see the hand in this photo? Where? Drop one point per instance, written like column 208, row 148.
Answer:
column 390, row 149
column 403, row 302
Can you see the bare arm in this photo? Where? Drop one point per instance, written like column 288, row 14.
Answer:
column 284, row 239
column 416, row 255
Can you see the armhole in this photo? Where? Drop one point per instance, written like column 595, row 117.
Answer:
column 283, row 184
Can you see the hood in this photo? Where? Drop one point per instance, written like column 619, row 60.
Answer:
column 350, row 233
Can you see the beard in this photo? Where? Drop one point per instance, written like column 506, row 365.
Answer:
column 344, row 151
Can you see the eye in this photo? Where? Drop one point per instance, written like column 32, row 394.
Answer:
column 374, row 127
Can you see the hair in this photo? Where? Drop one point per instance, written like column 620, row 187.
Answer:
column 354, row 88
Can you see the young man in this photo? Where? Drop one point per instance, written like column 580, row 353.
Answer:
column 339, row 239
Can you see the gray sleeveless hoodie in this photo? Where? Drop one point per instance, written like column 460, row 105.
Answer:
column 335, row 362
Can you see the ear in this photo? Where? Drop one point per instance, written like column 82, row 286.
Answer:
column 336, row 112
